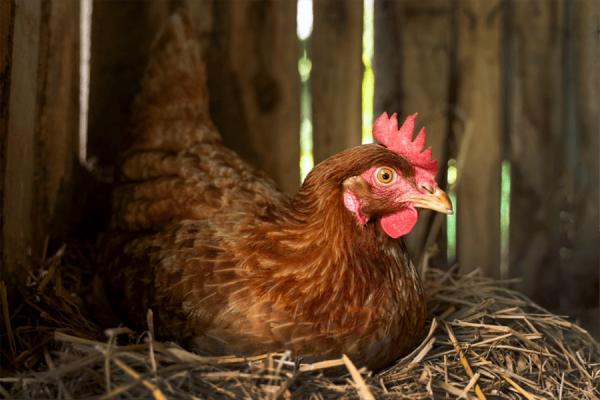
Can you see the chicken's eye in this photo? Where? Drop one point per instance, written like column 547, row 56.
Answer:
column 385, row 175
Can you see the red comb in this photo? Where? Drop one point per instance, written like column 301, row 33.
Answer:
column 386, row 133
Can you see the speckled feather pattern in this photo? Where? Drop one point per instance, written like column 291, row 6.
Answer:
column 230, row 265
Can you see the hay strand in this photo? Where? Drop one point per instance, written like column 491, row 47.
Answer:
column 465, row 364
column 359, row 382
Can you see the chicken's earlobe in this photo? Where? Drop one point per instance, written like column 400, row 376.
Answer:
column 352, row 203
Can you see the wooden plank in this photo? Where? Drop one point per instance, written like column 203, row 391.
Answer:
column 479, row 143
column 18, row 233
column 335, row 51
column 57, row 130
column 581, row 262
column 42, row 130
column 122, row 33
column 6, row 40
column 554, row 224
column 388, row 63
column 412, row 71
column 536, row 152
column 254, row 84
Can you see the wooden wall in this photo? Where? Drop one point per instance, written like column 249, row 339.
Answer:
column 494, row 81
column 336, row 49
column 39, row 63
column 252, row 55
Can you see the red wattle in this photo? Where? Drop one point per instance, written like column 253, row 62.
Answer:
column 400, row 223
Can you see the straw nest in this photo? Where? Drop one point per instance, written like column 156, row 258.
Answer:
column 483, row 341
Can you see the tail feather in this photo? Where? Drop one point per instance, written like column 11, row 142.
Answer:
column 172, row 109
column 176, row 167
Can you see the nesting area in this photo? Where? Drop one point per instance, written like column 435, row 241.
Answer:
column 483, row 341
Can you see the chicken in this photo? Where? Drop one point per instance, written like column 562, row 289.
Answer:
column 230, row 265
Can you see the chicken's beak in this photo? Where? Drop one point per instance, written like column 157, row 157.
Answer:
column 436, row 201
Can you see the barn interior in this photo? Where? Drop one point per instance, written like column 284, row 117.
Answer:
column 509, row 92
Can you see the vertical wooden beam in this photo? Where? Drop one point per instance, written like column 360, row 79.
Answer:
column 122, row 33
column 42, row 130
column 582, row 262
column 336, row 48
column 19, row 175
column 412, row 73
column 57, row 129
column 537, row 144
column 388, row 62
column 6, row 42
column 479, row 145
column 554, row 140
column 254, row 84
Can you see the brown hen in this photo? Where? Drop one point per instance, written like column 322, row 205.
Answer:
column 230, row 265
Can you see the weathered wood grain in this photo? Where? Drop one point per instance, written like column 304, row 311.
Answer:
column 254, row 84
column 58, row 118
column 41, row 142
column 388, row 64
column 412, row 69
column 536, row 150
column 581, row 264
column 335, row 51
column 19, row 178
column 6, row 40
column 554, row 129
column 479, row 143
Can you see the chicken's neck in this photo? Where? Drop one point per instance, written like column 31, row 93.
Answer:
column 319, row 255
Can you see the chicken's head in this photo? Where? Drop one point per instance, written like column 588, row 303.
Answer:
column 393, row 192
